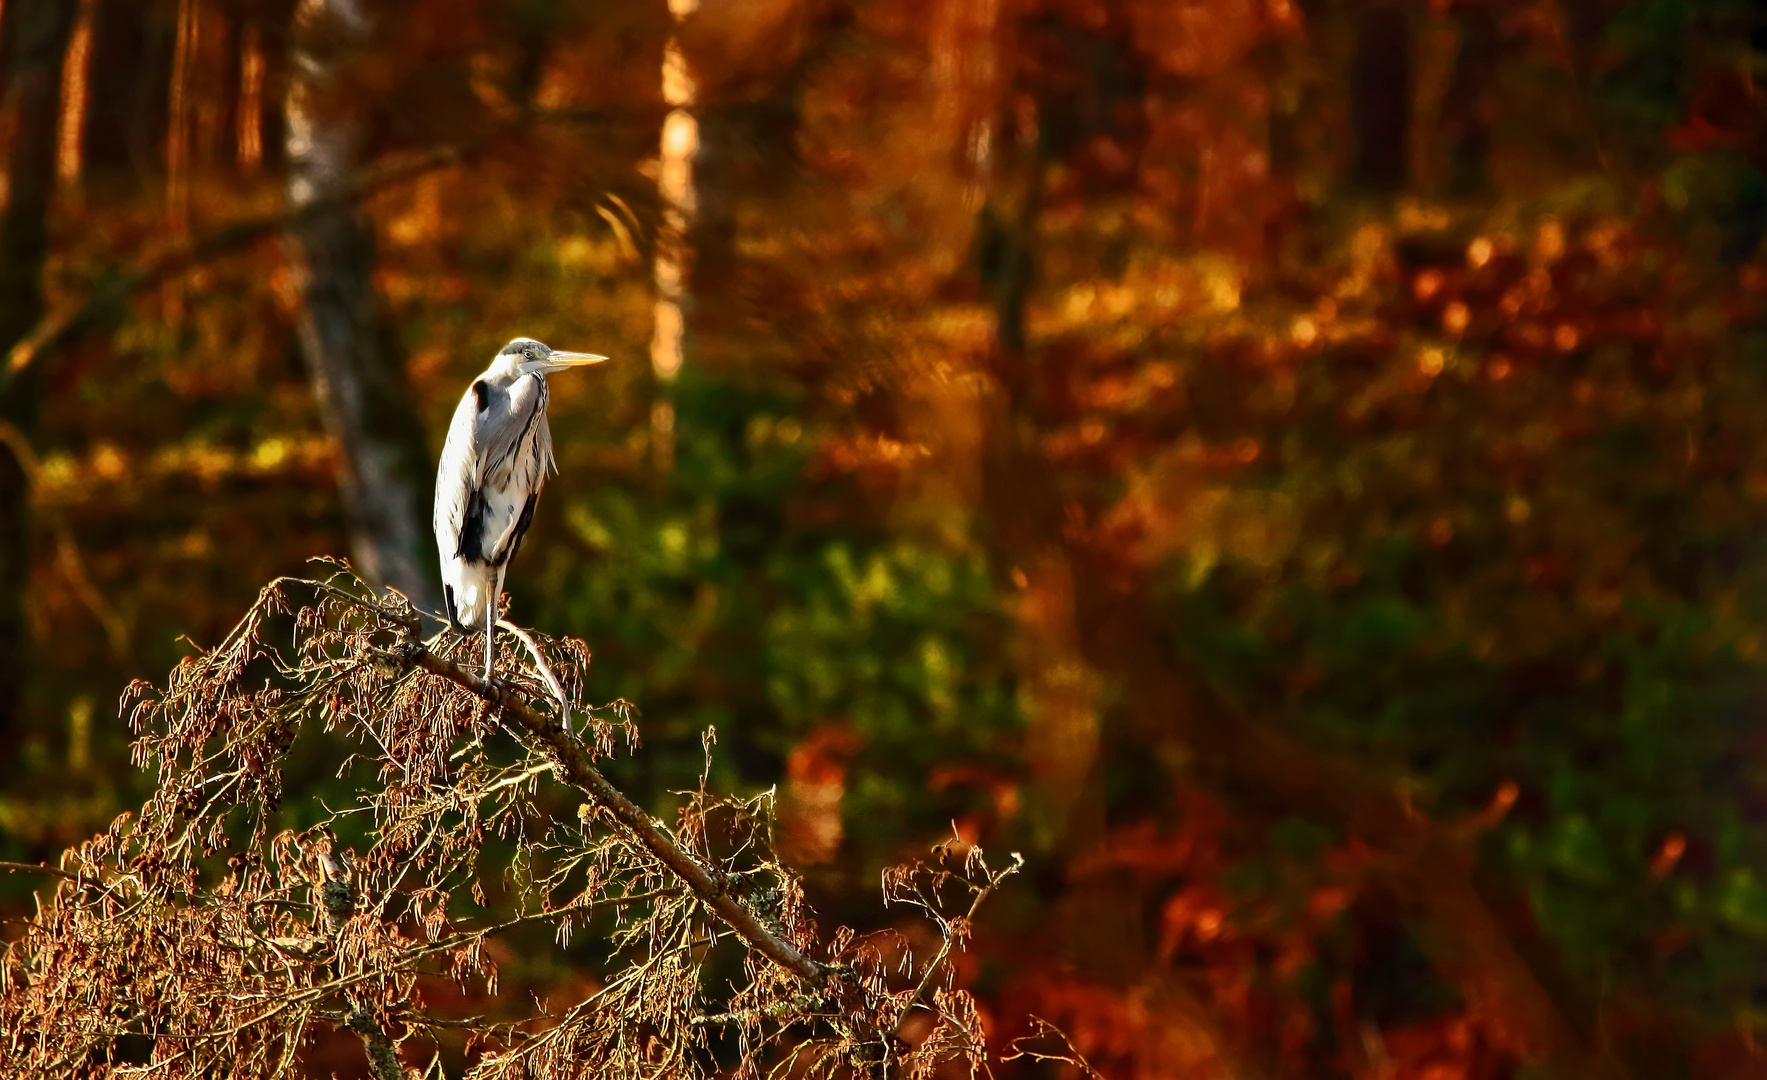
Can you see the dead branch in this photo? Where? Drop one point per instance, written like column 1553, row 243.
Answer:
column 232, row 972
column 1067, row 1055
column 954, row 938
column 575, row 769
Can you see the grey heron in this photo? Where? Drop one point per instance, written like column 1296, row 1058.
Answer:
column 494, row 463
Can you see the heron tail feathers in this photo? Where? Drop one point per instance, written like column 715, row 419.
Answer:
column 470, row 589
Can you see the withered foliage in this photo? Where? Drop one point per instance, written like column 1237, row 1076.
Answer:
column 199, row 937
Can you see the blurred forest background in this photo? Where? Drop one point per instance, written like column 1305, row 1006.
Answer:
column 1296, row 469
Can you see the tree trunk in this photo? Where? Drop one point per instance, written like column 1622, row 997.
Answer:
column 37, row 33
column 1468, row 106
column 673, row 264
column 351, row 349
column 133, row 43
column 1380, row 98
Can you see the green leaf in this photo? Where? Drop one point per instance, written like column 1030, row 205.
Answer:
column 1743, row 902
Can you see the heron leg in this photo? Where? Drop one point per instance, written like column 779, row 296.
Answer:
column 490, row 637
column 491, row 624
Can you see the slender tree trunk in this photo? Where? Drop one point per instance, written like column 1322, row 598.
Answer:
column 1380, row 98
column 351, row 349
column 1467, row 108
column 36, row 32
column 1058, row 689
column 71, row 125
column 132, row 51
column 674, row 248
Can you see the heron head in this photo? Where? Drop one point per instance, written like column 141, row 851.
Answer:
column 528, row 356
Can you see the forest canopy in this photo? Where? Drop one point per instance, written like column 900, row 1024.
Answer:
column 1292, row 471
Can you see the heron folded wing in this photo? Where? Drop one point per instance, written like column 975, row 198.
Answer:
column 511, row 540
column 501, row 431
column 471, row 539
column 455, row 481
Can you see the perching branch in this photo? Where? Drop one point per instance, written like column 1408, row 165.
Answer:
column 575, row 768
column 229, row 969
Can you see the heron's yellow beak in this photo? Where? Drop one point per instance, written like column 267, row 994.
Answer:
column 559, row 359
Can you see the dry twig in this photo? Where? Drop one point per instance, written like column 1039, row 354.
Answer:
column 195, row 937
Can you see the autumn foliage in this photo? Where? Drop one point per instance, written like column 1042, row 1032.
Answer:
column 1292, row 470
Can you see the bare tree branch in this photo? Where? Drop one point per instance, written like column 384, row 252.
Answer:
column 1067, row 1055
column 575, row 768
column 231, row 969
column 954, row 940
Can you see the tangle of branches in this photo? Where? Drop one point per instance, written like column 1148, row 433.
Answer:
column 204, row 936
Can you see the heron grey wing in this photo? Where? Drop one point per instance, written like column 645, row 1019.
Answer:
column 515, row 480
column 502, row 428
column 456, row 478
